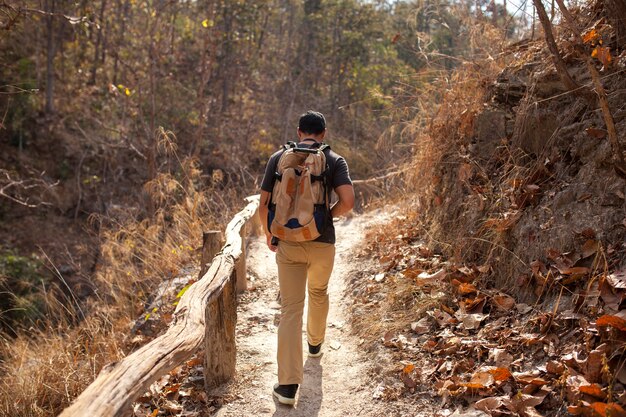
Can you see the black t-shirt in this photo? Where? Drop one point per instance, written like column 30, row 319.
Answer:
column 338, row 174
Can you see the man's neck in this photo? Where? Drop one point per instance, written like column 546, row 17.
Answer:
column 302, row 136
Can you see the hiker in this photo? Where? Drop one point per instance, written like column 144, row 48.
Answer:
column 304, row 253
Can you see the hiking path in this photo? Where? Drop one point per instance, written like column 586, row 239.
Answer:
column 335, row 384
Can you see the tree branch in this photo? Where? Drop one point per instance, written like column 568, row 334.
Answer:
column 561, row 69
column 12, row 189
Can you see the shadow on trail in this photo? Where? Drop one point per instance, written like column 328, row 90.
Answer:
column 310, row 394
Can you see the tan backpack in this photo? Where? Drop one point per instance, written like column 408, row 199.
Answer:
column 298, row 209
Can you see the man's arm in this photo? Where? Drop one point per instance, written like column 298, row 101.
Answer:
column 345, row 202
column 263, row 210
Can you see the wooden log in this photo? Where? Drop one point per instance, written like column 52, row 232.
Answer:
column 211, row 245
column 118, row 384
column 219, row 341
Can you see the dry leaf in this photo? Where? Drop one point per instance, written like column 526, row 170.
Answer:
column 576, row 270
column 530, row 412
column 490, row 404
column 500, row 374
column 555, row 367
column 503, row 301
column 617, row 279
column 594, row 390
column 422, row 326
column 594, row 364
column 474, row 305
column 590, row 248
column 612, row 321
column 408, row 368
column 572, row 387
column 408, row 381
column 430, row 345
column 472, row 321
column 591, row 37
column 596, row 133
column 608, row 410
column 575, row 410
column 441, row 317
column 603, row 54
column 194, row 362
column 412, row 273
column 466, row 289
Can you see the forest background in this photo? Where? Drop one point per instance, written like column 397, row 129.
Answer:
column 129, row 126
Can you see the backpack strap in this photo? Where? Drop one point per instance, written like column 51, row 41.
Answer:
column 323, row 177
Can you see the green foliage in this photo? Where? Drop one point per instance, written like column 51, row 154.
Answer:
column 19, row 84
column 22, row 285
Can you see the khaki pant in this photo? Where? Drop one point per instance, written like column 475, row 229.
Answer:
column 296, row 262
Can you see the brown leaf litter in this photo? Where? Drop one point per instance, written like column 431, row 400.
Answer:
column 477, row 347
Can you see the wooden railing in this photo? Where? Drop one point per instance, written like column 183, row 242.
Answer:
column 205, row 313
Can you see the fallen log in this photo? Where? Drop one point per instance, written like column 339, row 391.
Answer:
column 118, row 384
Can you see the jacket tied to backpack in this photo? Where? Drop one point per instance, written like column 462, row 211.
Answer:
column 298, row 209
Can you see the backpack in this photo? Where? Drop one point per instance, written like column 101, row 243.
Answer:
column 299, row 207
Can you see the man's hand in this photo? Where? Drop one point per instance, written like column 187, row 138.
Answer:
column 263, row 208
column 273, row 248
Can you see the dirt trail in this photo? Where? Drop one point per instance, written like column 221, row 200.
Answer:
column 336, row 384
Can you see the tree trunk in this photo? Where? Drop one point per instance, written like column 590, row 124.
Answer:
column 226, row 68
column 96, row 54
column 308, row 52
column 50, row 53
column 561, row 69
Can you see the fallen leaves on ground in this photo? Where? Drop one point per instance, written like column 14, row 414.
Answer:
column 479, row 348
column 179, row 393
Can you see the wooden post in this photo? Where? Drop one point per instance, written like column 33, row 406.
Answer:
column 219, row 340
column 211, row 244
column 255, row 223
column 240, row 266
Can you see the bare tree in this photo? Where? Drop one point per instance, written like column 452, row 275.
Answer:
column 50, row 6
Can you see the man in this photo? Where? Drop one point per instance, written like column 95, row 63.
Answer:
column 304, row 264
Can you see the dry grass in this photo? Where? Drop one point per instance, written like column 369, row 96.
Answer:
column 432, row 188
column 43, row 370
